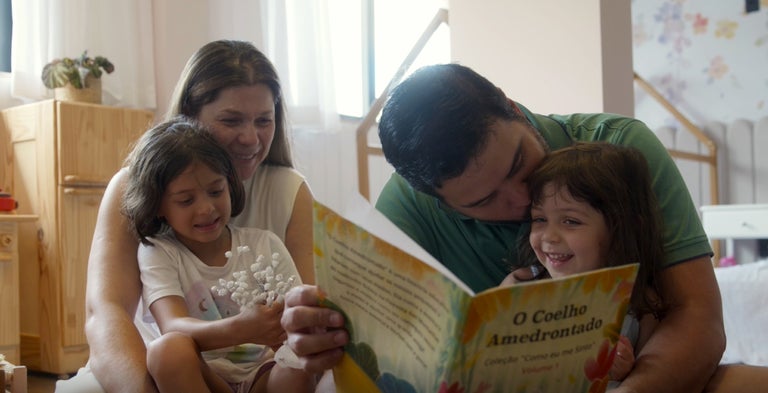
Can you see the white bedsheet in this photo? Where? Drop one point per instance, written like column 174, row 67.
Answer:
column 744, row 289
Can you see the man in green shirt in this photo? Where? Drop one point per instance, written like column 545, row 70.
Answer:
column 462, row 152
column 444, row 195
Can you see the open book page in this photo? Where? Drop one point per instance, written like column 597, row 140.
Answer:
column 361, row 213
column 552, row 335
column 403, row 314
column 416, row 328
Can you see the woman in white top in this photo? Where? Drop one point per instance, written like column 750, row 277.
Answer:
column 233, row 89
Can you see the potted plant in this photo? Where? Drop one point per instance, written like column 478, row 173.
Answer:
column 77, row 79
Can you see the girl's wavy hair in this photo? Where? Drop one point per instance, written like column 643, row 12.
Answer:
column 161, row 155
column 614, row 180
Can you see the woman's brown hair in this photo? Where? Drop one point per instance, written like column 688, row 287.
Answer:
column 222, row 64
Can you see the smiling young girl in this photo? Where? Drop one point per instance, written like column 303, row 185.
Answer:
column 181, row 193
column 592, row 206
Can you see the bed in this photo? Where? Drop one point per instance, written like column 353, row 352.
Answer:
column 744, row 289
column 724, row 167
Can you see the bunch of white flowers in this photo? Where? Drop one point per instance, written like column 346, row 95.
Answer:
column 259, row 286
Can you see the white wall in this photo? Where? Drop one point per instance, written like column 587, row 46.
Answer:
column 554, row 56
column 6, row 101
column 182, row 26
column 177, row 36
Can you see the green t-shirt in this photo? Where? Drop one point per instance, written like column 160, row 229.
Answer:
column 482, row 253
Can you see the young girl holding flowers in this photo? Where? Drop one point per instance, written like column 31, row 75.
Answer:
column 181, row 192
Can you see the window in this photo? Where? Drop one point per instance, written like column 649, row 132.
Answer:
column 6, row 26
column 371, row 38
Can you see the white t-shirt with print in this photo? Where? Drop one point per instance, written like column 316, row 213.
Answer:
column 168, row 268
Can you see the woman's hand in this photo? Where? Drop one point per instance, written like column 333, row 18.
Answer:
column 315, row 334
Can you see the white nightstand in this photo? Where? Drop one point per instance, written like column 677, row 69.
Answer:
column 731, row 222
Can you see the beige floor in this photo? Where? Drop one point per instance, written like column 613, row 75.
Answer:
column 40, row 382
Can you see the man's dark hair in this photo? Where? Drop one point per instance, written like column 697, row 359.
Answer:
column 438, row 119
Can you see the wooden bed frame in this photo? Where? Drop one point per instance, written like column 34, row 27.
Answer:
column 366, row 149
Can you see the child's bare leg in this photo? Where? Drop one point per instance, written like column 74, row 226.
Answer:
column 740, row 378
column 326, row 384
column 175, row 364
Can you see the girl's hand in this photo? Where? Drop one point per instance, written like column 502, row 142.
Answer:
column 624, row 360
column 525, row 274
column 509, row 280
column 261, row 325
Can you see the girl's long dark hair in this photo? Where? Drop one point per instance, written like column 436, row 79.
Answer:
column 160, row 155
column 614, row 180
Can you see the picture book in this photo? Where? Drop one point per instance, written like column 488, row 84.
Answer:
column 415, row 327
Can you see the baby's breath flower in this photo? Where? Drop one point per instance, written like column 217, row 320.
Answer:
column 260, row 286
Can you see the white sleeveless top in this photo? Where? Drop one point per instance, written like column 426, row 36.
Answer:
column 269, row 195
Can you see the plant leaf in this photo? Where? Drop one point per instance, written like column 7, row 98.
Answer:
column 60, row 72
column 54, row 74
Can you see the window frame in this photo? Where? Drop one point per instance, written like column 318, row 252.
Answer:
column 6, row 33
column 368, row 48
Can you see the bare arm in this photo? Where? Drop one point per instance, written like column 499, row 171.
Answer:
column 112, row 295
column 740, row 378
column 685, row 347
column 298, row 235
column 259, row 325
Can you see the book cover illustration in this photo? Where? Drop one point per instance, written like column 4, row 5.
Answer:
column 415, row 327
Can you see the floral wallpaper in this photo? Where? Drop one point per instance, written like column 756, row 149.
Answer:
column 708, row 58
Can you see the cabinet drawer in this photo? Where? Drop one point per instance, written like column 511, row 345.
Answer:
column 94, row 140
column 8, row 236
column 735, row 221
column 9, row 293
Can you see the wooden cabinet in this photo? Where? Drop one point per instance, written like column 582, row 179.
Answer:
column 64, row 154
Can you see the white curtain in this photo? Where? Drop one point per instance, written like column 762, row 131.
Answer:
column 294, row 34
column 297, row 40
column 121, row 31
